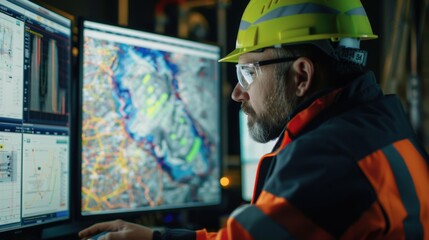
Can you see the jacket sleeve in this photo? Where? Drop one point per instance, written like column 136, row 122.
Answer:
column 174, row 234
column 246, row 222
column 266, row 220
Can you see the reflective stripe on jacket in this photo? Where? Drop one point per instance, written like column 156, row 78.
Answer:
column 348, row 166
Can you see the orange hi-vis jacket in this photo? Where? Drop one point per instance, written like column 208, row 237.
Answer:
column 348, row 166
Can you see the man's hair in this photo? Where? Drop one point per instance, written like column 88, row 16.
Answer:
column 329, row 72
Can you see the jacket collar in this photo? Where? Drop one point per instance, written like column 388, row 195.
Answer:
column 361, row 89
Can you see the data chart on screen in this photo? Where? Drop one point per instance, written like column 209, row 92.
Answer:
column 46, row 176
column 10, row 177
column 11, row 67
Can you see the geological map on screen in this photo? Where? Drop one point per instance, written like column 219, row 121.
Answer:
column 148, row 140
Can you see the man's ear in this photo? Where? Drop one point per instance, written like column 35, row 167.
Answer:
column 303, row 75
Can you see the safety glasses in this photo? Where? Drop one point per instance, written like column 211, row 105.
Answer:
column 247, row 72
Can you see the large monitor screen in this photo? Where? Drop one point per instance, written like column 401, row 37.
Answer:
column 150, row 111
column 250, row 153
column 35, row 58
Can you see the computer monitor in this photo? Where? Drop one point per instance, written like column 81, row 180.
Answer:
column 150, row 121
column 250, row 153
column 35, row 60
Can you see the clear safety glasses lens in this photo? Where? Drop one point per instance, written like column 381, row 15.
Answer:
column 246, row 74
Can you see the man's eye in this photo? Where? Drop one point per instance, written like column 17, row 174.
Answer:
column 249, row 72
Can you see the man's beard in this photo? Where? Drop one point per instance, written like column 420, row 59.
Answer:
column 269, row 124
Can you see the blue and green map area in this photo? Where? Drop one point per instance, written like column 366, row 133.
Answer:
column 150, row 132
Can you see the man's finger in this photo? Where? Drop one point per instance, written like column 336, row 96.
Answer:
column 112, row 236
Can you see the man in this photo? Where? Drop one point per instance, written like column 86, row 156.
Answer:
column 347, row 165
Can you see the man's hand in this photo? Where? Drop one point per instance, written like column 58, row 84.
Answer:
column 118, row 230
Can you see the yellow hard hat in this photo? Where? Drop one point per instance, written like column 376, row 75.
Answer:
column 267, row 23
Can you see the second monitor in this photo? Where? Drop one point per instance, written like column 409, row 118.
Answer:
column 150, row 121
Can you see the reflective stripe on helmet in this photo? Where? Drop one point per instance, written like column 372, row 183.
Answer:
column 296, row 9
column 300, row 9
column 360, row 11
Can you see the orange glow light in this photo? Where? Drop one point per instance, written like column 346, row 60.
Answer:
column 224, row 181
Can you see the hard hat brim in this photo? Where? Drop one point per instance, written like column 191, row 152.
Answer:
column 322, row 42
column 232, row 57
